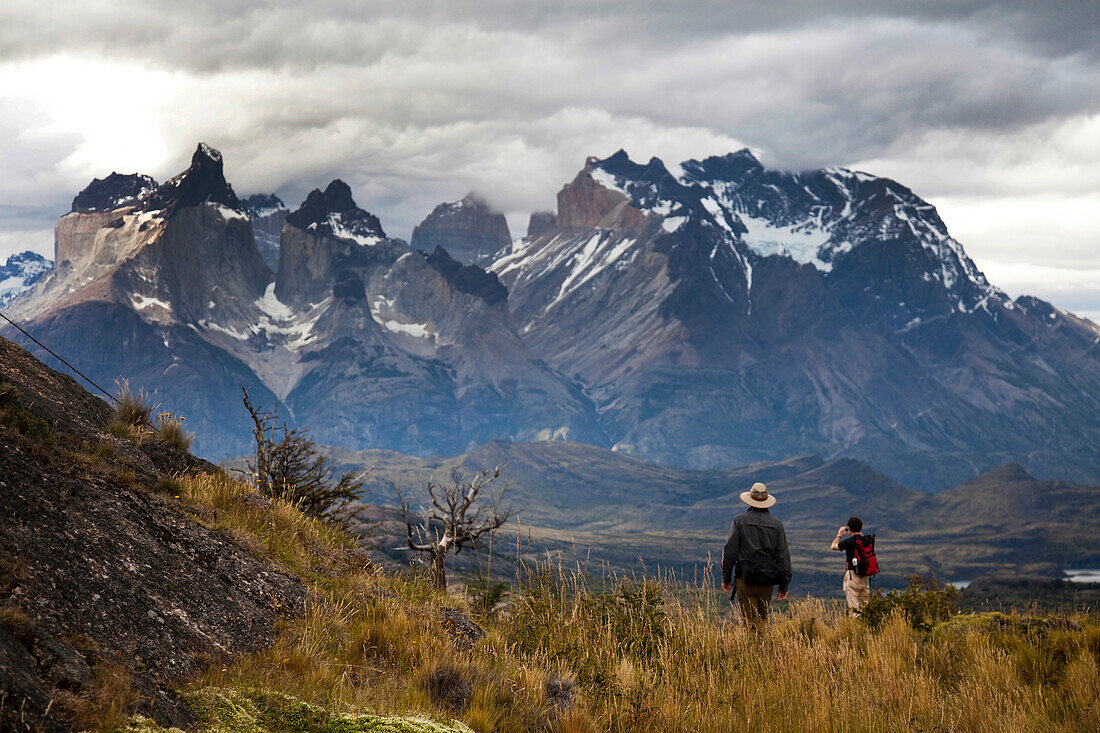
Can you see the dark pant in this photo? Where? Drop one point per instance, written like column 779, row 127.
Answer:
column 753, row 600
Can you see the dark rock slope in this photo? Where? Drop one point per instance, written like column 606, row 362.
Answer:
column 100, row 572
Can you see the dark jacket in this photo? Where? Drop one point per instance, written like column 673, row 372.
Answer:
column 751, row 531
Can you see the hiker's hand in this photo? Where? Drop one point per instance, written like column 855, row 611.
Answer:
column 782, row 595
column 842, row 530
column 727, row 587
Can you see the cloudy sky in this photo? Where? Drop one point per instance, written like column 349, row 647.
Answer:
column 989, row 110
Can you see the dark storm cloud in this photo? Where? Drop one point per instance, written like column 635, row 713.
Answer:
column 809, row 82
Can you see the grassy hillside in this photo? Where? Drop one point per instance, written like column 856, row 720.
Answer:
column 377, row 651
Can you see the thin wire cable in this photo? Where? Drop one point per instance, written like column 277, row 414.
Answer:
column 56, row 356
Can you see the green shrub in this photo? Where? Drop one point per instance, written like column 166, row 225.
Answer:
column 924, row 603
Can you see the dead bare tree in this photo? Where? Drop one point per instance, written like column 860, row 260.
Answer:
column 288, row 465
column 449, row 524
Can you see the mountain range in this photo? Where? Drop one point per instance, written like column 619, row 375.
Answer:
column 710, row 314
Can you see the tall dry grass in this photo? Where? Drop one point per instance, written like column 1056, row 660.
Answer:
column 570, row 654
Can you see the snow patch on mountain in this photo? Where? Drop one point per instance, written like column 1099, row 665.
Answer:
column 230, row 214
column 142, row 302
column 803, row 242
column 354, row 229
column 272, row 306
column 386, row 315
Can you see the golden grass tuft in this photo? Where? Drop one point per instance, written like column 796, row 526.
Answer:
column 132, row 406
column 170, row 431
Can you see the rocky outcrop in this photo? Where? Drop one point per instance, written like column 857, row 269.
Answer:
column 333, row 213
column 202, row 183
column 100, row 570
column 329, row 240
column 468, row 229
column 113, row 192
column 468, row 278
column 138, row 290
column 268, row 216
column 541, row 222
column 586, row 202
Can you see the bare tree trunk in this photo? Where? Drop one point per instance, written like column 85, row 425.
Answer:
column 439, row 570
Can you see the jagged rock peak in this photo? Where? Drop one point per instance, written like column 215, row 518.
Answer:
column 333, row 213
column 617, row 193
column 731, row 167
column 541, row 221
column 469, row 279
column 263, row 204
column 113, row 192
column 469, row 229
column 203, row 182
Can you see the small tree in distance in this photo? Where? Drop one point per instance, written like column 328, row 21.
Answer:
column 288, row 466
column 456, row 519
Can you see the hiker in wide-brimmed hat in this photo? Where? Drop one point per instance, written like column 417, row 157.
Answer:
column 756, row 555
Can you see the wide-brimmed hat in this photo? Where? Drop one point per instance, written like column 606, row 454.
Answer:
column 758, row 496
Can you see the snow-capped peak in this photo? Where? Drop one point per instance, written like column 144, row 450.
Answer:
column 20, row 272
column 263, row 204
column 333, row 213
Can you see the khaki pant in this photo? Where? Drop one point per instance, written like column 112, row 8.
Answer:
column 753, row 601
column 857, row 589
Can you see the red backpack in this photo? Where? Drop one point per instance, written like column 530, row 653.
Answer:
column 864, row 562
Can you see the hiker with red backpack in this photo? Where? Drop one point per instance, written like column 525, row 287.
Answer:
column 861, row 562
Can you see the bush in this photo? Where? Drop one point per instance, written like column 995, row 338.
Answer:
column 924, row 603
column 171, row 432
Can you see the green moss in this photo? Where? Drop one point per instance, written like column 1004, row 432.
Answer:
column 252, row 711
column 995, row 621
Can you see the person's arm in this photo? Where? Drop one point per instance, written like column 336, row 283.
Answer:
column 785, row 563
column 839, row 535
column 729, row 557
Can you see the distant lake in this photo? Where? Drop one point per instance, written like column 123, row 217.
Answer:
column 1073, row 575
column 1084, row 575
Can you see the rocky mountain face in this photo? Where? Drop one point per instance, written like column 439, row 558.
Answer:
column 268, row 214
column 362, row 340
column 468, row 229
column 101, row 572
column 716, row 313
column 729, row 313
column 20, row 272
